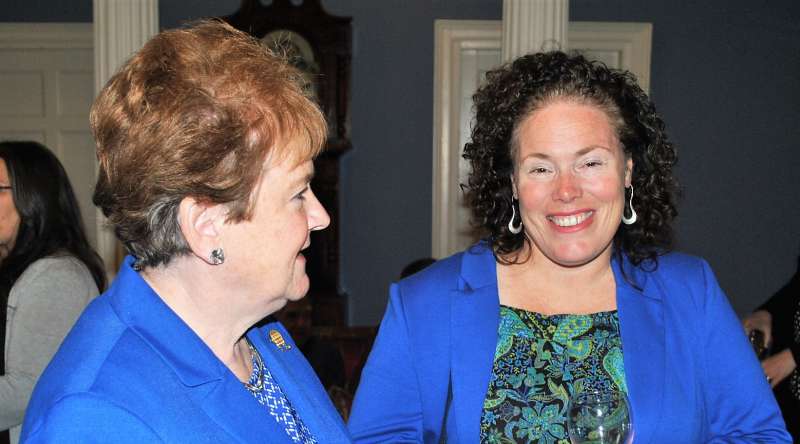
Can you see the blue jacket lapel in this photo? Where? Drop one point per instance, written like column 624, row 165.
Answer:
column 473, row 329
column 237, row 412
column 291, row 370
column 641, row 320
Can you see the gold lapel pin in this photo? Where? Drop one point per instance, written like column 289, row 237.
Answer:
column 277, row 339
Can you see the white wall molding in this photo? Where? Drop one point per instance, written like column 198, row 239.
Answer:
column 121, row 27
column 46, row 35
column 452, row 37
column 631, row 41
column 534, row 26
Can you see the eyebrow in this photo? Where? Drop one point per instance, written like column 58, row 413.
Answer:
column 306, row 179
column 580, row 152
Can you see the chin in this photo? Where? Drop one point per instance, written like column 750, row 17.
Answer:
column 299, row 289
column 575, row 257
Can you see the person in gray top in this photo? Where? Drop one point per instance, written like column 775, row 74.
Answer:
column 48, row 271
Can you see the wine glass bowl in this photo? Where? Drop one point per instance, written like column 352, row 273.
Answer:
column 599, row 417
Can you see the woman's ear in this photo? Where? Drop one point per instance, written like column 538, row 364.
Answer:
column 628, row 172
column 514, row 193
column 201, row 224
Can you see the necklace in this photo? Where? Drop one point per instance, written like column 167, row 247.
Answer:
column 258, row 371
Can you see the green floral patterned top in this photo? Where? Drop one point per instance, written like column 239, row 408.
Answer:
column 539, row 362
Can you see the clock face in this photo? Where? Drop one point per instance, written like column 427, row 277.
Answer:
column 296, row 50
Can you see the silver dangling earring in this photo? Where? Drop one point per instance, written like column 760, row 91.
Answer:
column 632, row 219
column 511, row 227
column 217, row 256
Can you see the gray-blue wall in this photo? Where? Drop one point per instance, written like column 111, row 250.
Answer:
column 724, row 76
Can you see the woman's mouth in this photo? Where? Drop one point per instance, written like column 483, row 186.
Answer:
column 572, row 220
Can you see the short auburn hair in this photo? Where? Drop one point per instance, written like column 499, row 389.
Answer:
column 194, row 113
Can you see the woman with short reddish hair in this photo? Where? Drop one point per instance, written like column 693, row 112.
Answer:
column 205, row 142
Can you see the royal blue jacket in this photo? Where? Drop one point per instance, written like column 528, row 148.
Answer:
column 690, row 372
column 131, row 371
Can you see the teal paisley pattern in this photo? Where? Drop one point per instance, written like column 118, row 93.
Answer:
column 539, row 362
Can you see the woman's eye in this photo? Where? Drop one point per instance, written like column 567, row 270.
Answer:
column 301, row 195
column 539, row 170
column 593, row 163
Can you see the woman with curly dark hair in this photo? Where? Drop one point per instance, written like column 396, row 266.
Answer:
column 573, row 290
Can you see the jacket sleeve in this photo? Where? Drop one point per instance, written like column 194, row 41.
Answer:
column 739, row 404
column 43, row 305
column 387, row 407
column 67, row 421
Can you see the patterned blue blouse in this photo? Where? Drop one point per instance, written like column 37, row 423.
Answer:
column 269, row 394
column 540, row 361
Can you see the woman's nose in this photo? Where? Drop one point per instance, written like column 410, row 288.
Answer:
column 567, row 188
column 318, row 218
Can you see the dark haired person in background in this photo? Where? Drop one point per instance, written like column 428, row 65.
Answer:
column 779, row 320
column 48, row 271
column 574, row 289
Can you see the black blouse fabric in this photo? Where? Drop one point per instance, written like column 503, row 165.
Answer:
column 784, row 306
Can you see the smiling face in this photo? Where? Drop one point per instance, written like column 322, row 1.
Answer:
column 264, row 253
column 570, row 178
column 9, row 217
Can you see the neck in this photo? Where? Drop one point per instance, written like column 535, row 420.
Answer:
column 189, row 288
column 544, row 286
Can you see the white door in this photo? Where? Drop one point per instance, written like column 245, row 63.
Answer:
column 46, row 89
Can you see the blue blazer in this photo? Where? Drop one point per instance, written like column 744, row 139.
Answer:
column 131, row 371
column 690, row 372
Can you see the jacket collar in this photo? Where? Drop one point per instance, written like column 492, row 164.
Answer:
column 478, row 267
column 138, row 305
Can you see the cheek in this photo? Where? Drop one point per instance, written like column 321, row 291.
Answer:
column 533, row 195
column 608, row 189
column 9, row 220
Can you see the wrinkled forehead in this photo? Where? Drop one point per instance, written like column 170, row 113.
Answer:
column 291, row 153
column 612, row 115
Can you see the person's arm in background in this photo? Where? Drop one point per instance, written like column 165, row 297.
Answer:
column 776, row 319
column 43, row 305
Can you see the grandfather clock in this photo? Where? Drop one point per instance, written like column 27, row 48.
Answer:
column 318, row 44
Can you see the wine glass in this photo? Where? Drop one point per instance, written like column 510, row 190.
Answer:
column 599, row 417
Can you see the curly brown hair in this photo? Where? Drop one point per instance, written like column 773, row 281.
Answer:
column 514, row 91
column 195, row 113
